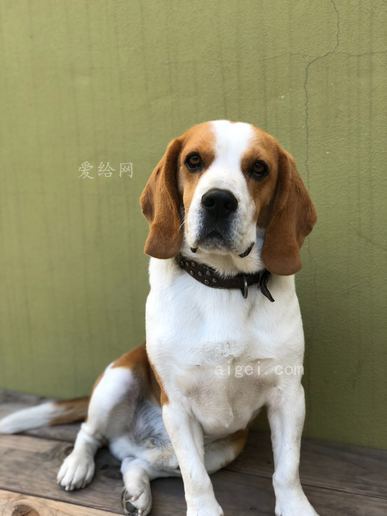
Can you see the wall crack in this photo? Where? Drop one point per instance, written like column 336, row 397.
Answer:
column 306, row 81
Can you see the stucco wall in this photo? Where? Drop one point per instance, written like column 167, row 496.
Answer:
column 113, row 81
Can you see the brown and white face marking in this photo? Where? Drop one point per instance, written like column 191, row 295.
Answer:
column 227, row 175
column 216, row 185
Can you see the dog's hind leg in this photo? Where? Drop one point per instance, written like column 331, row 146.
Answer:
column 136, row 496
column 111, row 409
column 137, row 473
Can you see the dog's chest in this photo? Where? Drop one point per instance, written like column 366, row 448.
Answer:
column 218, row 361
column 227, row 391
column 215, row 351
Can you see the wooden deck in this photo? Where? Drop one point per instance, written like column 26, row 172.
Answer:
column 339, row 480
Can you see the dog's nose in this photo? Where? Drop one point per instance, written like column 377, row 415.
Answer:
column 219, row 203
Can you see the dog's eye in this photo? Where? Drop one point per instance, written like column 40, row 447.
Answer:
column 259, row 169
column 194, row 162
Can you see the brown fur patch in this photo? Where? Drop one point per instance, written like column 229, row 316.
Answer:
column 200, row 139
column 169, row 183
column 161, row 392
column 74, row 410
column 283, row 206
column 137, row 360
column 160, row 204
column 291, row 217
column 264, row 147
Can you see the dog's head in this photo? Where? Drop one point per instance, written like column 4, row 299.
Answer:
column 219, row 182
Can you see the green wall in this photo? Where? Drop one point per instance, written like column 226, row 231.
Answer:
column 113, row 81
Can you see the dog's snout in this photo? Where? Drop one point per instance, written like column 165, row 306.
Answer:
column 219, row 203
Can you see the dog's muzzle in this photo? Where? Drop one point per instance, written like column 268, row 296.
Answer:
column 218, row 208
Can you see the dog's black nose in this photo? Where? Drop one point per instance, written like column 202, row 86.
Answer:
column 219, row 203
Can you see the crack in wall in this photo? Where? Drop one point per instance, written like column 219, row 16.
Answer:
column 306, row 91
column 308, row 66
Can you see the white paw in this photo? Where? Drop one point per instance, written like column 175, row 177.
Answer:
column 76, row 471
column 294, row 505
column 201, row 507
column 137, row 501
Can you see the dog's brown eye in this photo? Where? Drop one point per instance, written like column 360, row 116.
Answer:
column 259, row 169
column 194, row 162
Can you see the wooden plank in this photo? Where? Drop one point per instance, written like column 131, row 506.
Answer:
column 244, row 494
column 16, row 504
column 351, row 469
column 66, row 433
column 29, row 466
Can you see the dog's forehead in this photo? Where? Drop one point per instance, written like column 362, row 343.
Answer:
column 225, row 139
column 232, row 139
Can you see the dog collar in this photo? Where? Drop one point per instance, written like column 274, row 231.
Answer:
column 209, row 277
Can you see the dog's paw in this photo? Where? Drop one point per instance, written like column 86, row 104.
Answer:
column 294, row 506
column 76, row 472
column 137, row 501
column 205, row 508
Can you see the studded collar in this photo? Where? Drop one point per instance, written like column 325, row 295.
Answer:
column 209, row 277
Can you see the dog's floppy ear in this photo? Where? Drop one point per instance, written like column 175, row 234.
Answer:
column 292, row 217
column 160, row 205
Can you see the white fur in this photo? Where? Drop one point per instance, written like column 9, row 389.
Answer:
column 117, row 387
column 136, row 474
column 30, row 418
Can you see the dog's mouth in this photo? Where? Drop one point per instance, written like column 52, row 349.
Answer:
column 214, row 235
column 215, row 240
column 247, row 251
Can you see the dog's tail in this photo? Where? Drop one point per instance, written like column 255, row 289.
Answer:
column 46, row 414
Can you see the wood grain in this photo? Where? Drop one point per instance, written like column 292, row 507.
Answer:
column 31, row 470
column 351, row 470
column 29, row 465
column 15, row 504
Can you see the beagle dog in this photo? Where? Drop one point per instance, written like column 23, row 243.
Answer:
column 227, row 215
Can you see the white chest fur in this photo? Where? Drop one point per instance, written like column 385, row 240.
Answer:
column 221, row 354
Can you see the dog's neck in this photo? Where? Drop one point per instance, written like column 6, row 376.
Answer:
column 230, row 263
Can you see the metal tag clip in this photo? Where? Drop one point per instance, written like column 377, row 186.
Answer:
column 245, row 288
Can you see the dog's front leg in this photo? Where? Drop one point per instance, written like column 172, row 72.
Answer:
column 187, row 439
column 286, row 411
